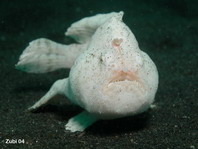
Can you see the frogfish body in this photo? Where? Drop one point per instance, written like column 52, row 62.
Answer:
column 110, row 76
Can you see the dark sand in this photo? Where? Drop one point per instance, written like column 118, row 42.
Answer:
column 167, row 30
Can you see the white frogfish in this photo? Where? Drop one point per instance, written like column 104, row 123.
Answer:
column 110, row 76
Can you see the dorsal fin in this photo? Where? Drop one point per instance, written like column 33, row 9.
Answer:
column 82, row 30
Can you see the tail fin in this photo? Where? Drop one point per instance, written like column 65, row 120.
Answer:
column 43, row 55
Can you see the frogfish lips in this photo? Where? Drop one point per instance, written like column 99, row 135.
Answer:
column 119, row 76
column 122, row 81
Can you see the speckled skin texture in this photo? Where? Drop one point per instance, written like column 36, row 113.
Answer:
column 113, row 77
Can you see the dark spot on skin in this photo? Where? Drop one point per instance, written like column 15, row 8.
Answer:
column 92, row 54
column 100, row 59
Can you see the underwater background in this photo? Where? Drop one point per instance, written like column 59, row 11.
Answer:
column 166, row 29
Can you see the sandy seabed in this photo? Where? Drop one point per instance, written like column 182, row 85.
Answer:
column 167, row 30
